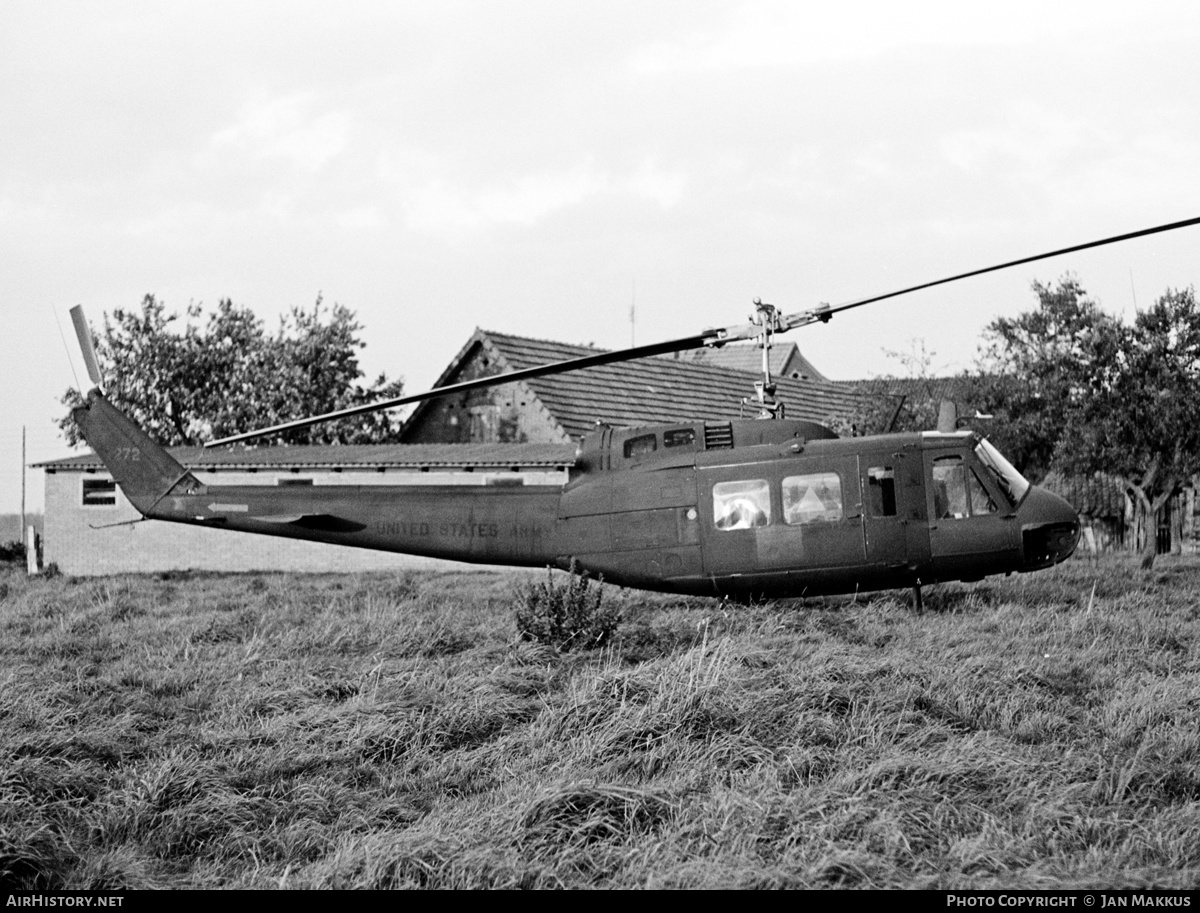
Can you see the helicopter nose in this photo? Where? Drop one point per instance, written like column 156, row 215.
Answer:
column 1049, row 529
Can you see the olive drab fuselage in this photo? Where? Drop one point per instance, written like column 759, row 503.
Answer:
column 785, row 508
column 744, row 508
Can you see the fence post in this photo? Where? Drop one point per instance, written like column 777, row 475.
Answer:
column 31, row 550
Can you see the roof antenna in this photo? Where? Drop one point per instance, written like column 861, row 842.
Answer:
column 632, row 314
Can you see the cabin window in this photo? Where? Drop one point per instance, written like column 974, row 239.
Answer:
column 639, row 446
column 958, row 491
column 743, row 504
column 679, row 437
column 812, row 498
column 99, row 493
column 881, row 491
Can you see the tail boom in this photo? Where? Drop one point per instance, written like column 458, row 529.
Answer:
column 513, row 526
column 462, row 523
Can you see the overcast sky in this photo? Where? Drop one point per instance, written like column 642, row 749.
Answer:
column 533, row 167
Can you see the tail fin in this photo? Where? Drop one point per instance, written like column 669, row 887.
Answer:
column 143, row 469
column 145, row 472
column 947, row 417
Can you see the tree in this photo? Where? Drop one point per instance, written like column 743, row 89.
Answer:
column 201, row 382
column 905, row 401
column 1136, row 413
column 1028, row 367
column 1101, row 395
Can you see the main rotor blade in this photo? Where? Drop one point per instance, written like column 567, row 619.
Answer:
column 712, row 338
column 559, row 367
column 991, row 269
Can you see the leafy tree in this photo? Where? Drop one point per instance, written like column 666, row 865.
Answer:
column 1136, row 412
column 905, row 401
column 1090, row 393
column 1029, row 366
column 203, row 381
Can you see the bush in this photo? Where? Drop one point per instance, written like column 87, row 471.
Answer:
column 568, row 615
column 12, row 551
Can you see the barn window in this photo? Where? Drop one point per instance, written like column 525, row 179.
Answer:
column 99, row 493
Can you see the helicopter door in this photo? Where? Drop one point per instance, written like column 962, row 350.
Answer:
column 970, row 533
column 895, row 524
column 794, row 517
column 883, row 525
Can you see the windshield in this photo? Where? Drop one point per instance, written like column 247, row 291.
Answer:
column 1011, row 482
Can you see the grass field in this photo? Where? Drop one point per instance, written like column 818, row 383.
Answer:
column 388, row 731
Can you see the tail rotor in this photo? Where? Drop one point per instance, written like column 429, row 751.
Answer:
column 86, row 345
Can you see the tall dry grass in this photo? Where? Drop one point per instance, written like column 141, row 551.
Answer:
column 392, row 731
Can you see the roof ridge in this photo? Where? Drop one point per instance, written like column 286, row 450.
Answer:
column 716, row 370
column 591, row 347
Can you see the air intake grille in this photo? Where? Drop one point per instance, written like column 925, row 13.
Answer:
column 718, row 437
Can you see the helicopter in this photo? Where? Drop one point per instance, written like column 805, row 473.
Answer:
column 744, row 509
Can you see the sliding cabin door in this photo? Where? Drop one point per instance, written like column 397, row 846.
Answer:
column 895, row 518
column 803, row 515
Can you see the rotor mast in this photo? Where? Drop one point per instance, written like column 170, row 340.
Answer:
column 766, row 317
column 764, row 322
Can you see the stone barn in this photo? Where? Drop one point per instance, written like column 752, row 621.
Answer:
column 707, row 385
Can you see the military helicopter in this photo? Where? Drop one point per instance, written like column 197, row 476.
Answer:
column 764, row 507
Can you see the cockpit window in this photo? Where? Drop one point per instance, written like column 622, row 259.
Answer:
column 1011, row 482
column 958, row 492
column 949, row 488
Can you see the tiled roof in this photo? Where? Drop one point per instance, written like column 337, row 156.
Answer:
column 350, row 456
column 786, row 358
column 653, row 390
column 954, row 388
